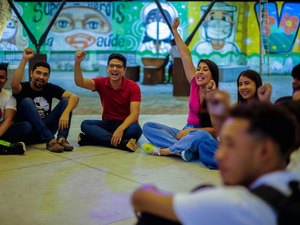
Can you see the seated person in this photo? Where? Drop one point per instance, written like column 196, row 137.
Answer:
column 165, row 140
column 11, row 134
column 120, row 98
column 34, row 99
column 253, row 152
column 296, row 76
column 251, row 88
column 295, row 86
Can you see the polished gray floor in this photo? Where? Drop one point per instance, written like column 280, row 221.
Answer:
column 92, row 185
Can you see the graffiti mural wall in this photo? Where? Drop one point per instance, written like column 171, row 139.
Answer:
column 230, row 34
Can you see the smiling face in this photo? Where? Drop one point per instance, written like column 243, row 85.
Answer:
column 39, row 77
column 115, row 70
column 203, row 74
column 247, row 88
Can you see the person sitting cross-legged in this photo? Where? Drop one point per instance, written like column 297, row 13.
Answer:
column 34, row 100
column 120, row 98
column 11, row 134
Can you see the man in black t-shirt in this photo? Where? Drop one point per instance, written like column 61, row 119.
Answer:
column 34, row 100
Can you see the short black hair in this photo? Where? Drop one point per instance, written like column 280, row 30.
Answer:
column 117, row 56
column 41, row 63
column 3, row 66
column 283, row 99
column 296, row 71
column 272, row 121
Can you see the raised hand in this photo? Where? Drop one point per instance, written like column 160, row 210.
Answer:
column 28, row 53
column 176, row 23
column 79, row 56
column 264, row 92
column 211, row 86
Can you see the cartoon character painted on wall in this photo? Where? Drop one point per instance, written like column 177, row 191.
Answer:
column 12, row 38
column 218, row 30
column 157, row 35
column 77, row 27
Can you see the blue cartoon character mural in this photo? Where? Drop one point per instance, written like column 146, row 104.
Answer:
column 157, row 35
column 12, row 38
column 218, row 30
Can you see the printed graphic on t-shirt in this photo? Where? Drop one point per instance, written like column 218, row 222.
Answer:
column 42, row 106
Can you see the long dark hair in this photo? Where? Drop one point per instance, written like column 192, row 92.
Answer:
column 203, row 115
column 252, row 75
column 213, row 68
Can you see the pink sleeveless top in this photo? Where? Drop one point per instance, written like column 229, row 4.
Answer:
column 194, row 104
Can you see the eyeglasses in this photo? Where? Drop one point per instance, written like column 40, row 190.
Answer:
column 118, row 66
column 37, row 72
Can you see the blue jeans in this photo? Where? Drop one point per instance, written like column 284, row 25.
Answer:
column 200, row 142
column 161, row 135
column 17, row 132
column 43, row 130
column 99, row 132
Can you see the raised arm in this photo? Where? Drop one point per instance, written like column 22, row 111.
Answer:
column 18, row 75
column 80, row 81
column 184, row 52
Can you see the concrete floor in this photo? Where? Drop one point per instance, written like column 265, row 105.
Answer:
column 91, row 185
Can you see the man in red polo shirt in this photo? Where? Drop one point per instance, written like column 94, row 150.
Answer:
column 120, row 98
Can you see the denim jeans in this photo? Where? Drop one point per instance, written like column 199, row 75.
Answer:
column 99, row 132
column 161, row 135
column 200, row 142
column 43, row 130
column 17, row 132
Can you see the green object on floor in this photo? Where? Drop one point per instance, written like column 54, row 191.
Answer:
column 5, row 143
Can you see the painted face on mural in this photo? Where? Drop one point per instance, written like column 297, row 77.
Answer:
column 10, row 30
column 78, row 27
column 218, row 25
column 155, row 22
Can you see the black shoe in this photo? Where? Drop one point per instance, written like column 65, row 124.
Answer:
column 18, row 148
column 82, row 140
column 128, row 145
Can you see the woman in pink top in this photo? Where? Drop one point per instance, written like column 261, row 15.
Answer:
column 202, row 78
